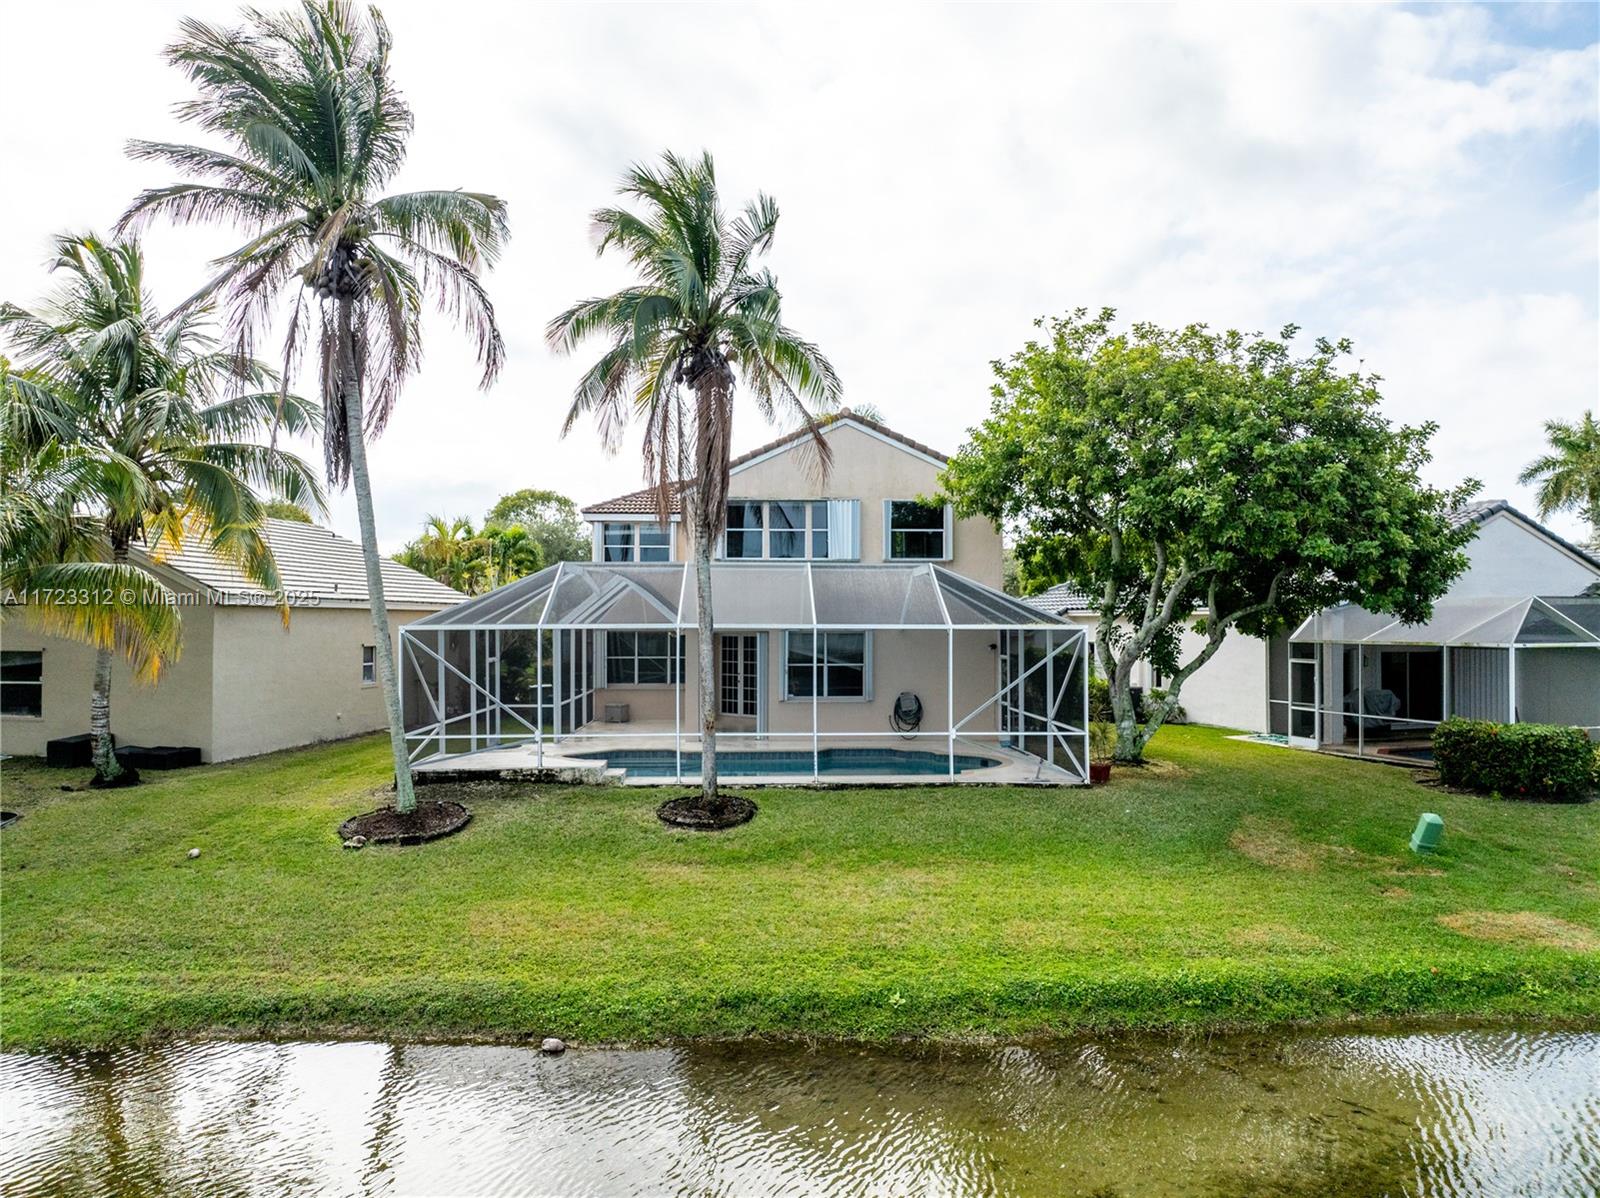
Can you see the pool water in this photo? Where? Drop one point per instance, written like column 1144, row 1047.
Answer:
column 663, row 763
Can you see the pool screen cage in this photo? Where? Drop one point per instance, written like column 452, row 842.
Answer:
column 526, row 664
column 1364, row 682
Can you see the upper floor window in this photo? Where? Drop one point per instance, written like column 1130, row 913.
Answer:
column 635, row 543
column 915, row 531
column 777, row 529
column 22, row 682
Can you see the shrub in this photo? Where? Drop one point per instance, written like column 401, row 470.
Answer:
column 1176, row 716
column 1518, row 761
column 1099, row 699
column 1100, row 702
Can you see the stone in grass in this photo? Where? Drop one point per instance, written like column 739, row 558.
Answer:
column 552, row 1047
column 193, row 853
column 356, row 842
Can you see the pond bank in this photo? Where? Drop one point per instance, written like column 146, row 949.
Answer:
column 1240, row 886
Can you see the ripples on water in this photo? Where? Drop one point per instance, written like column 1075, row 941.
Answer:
column 1476, row 1113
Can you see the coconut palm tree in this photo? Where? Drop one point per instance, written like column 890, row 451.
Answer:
column 699, row 319
column 1569, row 475
column 131, row 426
column 315, row 130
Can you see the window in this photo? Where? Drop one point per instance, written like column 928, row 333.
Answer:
column 788, row 524
column 635, row 542
column 819, row 529
column 744, row 530
column 841, row 665
column 655, row 543
column 616, row 542
column 915, row 531
column 22, row 682
column 777, row 529
column 369, row 665
column 640, row 658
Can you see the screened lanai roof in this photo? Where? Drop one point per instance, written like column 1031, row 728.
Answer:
column 1485, row 622
column 755, row 595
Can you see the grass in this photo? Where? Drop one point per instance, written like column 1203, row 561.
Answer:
column 1235, row 885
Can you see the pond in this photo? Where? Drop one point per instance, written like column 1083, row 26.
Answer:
column 1460, row 1113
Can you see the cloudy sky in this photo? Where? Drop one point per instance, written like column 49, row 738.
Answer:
column 1423, row 180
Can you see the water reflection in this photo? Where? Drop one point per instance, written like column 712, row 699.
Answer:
column 1462, row 1114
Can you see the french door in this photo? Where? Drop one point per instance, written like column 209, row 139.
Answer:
column 740, row 689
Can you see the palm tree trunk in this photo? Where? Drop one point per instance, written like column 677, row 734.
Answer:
column 703, row 629
column 405, row 795
column 108, row 771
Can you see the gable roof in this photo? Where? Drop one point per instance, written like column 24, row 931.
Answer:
column 643, row 502
column 1480, row 510
column 318, row 567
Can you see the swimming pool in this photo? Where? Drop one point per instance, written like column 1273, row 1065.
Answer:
column 663, row 763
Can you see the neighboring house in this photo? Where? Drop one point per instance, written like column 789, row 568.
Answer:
column 1227, row 691
column 244, row 683
column 853, row 618
column 1516, row 638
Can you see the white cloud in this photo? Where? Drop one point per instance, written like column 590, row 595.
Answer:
column 1415, row 178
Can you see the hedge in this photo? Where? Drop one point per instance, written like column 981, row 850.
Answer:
column 1518, row 761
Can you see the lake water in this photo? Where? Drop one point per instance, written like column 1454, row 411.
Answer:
column 1468, row 1113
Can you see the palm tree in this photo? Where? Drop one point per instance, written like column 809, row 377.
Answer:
column 1569, row 475
column 50, row 544
column 316, row 129
column 512, row 553
column 448, row 551
column 132, row 426
column 699, row 319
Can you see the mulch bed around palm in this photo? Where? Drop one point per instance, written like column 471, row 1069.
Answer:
column 431, row 819
column 693, row 812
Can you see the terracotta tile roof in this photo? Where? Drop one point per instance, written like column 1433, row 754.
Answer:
column 643, row 502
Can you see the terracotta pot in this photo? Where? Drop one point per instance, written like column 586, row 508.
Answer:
column 1099, row 772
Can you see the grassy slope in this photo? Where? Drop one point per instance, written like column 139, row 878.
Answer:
column 858, row 913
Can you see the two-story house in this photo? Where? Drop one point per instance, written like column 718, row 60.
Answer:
column 861, row 630
column 869, row 507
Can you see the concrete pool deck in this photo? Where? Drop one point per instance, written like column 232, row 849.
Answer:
column 572, row 759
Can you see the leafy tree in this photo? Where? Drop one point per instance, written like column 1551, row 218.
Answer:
column 123, row 433
column 699, row 319
column 316, row 129
column 1191, row 478
column 551, row 522
column 1569, row 475
column 282, row 509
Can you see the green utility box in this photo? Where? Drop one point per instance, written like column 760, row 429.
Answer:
column 1426, row 838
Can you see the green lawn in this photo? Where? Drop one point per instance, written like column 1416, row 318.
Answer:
column 1239, row 884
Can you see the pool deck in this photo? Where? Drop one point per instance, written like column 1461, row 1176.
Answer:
column 570, row 760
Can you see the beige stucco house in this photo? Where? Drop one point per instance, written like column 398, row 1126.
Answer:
column 861, row 630
column 244, row 683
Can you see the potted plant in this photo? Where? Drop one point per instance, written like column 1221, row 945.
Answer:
column 1102, row 742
